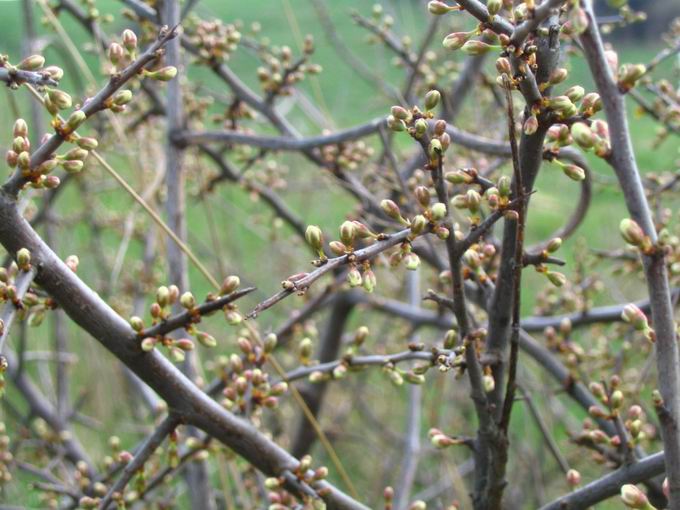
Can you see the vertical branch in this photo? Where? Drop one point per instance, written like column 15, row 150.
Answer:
column 197, row 477
column 623, row 161
column 411, row 455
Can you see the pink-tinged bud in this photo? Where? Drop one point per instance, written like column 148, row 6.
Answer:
column 531, row 125
column 612, row 59
column 391, row 209
column 635, row 412
column 354, row 278
column 72, row 262
column 245, row 345
column 456, row 40
column 633, row 497
column 72, row 166
column 388, row 494
column 52, row 182
column 476, row 47
column 233, row 317
column 399, row 112
column 442, row 232
column 20, row 128
column 314, row 237
column 422, row 195
column 229, row 285
column 578, row 20
column 574, row 172
column 631, row 232
column 338, row 248
column 558, row 76
column 11, row 158
column 206, row 339
column 116, row 53
column 573, row 477
column 666, row 488
column 32, row 63
column 636, row 317
column 432, row 99
column 438, row 8
column 347, row 233
column 439, row 127
column 503, row 66
column 148, row 344
column 164, row 74
column 129, row 40
column 184, row 344
column 340, row 372
column 557, row 279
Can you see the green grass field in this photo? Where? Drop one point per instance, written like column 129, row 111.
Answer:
column 241, row 227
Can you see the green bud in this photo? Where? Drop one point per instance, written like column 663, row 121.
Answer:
column 488, row 383
column 24, row 259
column 575, row 93
column 632, row 233
column 76, row 119
column 347, row 233
column 435, row 149
column 369, row 281
column 636, row 317
column 354, row 278
column 270, row 342
column 148, row 344
column 399, row 113
column 206, row 339
column 188, row 301
column 395, row 124
column 87, row 143
column 557, row 279
column 583, row 135
column 314, row 237
column 420, row 128
column 432, row 99
column 77, row 154
column 136, row 323
column 633, row 497
column 438, row 211
column 59, row 98
column 476, row 47
column 164, row 74
column 163, row 296
column 438, row 8
column 122, row 97
column 574, row 172
column 56, row 73
column 305, row 348
column 72, row 166
column 554, row 245
column 419, row 224
column 412, row 261
column 391, row 209
column 494, row 6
